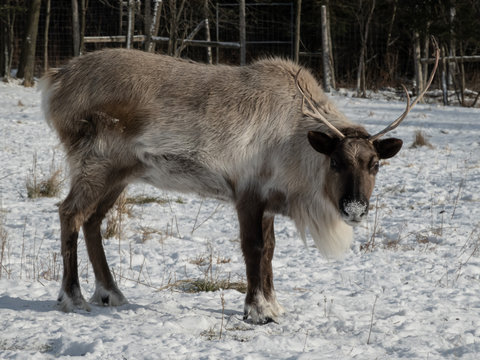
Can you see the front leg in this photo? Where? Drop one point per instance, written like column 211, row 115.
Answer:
column 258, row 243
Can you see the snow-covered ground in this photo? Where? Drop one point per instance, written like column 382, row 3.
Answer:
column 409, row 288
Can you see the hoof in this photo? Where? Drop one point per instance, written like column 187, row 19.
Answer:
column 258, row 320
column 263, row 311
column 75, row 301
column 113, row 297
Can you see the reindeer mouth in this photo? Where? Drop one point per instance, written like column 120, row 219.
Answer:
column 352, row 222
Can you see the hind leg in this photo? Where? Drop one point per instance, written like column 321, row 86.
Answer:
column 78, row 205
column 93, row 179
column 106, row 291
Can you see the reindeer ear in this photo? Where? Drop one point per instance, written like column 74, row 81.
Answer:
column 387, row 148
column 321, row 142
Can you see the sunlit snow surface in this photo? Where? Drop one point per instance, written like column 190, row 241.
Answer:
column 409, row 288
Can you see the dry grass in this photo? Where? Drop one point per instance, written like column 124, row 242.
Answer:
column 207, row 285
column 3, row 242
column 115, row 217
column 204, row 260
column 421, row 140
column 370, row 244
column 49, row 186
column 211, row 280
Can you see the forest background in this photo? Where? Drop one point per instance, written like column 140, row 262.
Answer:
column 370, row 44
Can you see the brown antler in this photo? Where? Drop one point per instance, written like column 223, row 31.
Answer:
column 409, row 107
column 315, row 113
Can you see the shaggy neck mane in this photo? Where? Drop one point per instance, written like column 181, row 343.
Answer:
column 314, row 214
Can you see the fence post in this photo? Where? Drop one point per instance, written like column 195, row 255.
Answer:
column 131, row 19
column 207, row 31
column 75, row 29
column 444, row 77
column 297, row 30
column 243, row 40
column 417, row 64
column 154, row 25
column 331, row 62
column 45, row 36
column 325, row 51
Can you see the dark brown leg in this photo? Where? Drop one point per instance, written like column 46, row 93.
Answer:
column 258, row 243
column 267, row 256
column 106, row 291
column 78, row 205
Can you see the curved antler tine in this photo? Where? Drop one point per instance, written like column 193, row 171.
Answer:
column 409, row 107
column 396, row 122
column 315, row 114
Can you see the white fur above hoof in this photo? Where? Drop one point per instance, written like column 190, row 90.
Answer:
column 68, row 303
column 263, row 311
column 113, row 297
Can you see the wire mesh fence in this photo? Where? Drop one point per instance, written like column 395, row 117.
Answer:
column 270, row 30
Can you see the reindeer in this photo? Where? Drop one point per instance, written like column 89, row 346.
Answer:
column 263, row 136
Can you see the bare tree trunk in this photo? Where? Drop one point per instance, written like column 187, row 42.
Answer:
column 459, row 79
column 390, row 26
column 361, row 86
column 298, row 22
column 207, row 31
column 177, row 22
column 325, row 51
column 243, row 35
column 462, row 75
column 390, row 58
column 131, row 23
column 426, row 47
column 452, row 48
column 83, row 10
column 75, row 29
column 217, row 33
column 10, row 38
column 3, row 49
column 330, row 50
column 174, row 21
column 29, row 44
column 444, row 78
column 173, row 27
column 120, row 15
column 45, row 36
column 4, row 42
column 417, row 64
column 147, row 23
column 155, row 24
column 195, row 31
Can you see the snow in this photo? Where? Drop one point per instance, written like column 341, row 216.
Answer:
column 408, row 288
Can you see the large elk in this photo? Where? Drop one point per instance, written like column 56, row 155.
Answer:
column 263, row 136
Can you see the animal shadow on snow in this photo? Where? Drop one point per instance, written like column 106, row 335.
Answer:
column 18, row 304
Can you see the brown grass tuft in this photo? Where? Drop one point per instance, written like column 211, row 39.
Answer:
column 420, row 140
column 115, row 217
column 50, row 186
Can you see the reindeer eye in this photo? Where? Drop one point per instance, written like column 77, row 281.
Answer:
column 333, row 164
column 375, row 166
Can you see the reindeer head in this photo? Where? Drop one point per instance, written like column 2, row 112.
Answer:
column 353, row 165
column 354, row 157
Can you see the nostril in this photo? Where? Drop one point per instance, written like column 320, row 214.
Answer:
column 354, row 208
